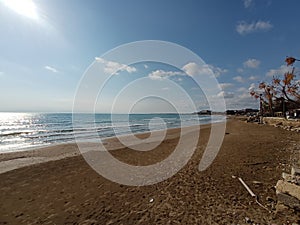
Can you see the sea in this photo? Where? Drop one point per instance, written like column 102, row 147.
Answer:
column 23, row 131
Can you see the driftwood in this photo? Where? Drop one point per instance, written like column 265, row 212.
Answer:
column 247, row 188
column 252, row 194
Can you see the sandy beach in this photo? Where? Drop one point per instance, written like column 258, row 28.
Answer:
column 55, row 185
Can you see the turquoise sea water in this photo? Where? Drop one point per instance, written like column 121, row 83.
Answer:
column 20, row 131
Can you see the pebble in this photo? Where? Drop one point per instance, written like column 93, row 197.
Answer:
column 269, row 199
column 247, row 219
column 256, row 182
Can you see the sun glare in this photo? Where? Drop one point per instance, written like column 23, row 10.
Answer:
column 23, row 7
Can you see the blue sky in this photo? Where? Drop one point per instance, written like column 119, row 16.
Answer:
column 46, row 46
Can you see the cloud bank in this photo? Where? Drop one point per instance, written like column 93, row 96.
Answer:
column 244, row 28
column 52, row 69
column 111, row 67
column 251, row 63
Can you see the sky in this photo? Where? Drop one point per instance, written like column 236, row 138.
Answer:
column 47, row 47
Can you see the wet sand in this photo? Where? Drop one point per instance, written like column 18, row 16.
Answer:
column 65, row 190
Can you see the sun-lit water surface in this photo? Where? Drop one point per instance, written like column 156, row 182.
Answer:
column 20, row 131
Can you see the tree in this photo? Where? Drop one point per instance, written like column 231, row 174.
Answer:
column 281, row 92
column 288, row 87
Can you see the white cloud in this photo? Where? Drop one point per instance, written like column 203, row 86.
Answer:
column 240, row 100
column 52, row 69
column 252, row 87
column 113, row 67
column 225, row 86
column 218, row 71
column 277, row 72
column 248, row 3
column 244, row 28
column 194, row 69
column 165, row 89
column 161, row 74
column 146, row 66
column 190, row 69
column 239, row 79
column 253, row 78
column 226, row 94
column 242, row 89
column 239, row 70
column 251, row 63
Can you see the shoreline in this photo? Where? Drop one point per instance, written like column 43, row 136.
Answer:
column 32, row 148
column 53, row 152
column 16, row 137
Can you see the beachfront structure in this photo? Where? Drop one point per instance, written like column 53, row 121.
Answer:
column 204, row 112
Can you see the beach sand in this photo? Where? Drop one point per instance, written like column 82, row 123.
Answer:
column 59, row 187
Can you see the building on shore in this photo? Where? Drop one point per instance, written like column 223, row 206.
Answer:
column 204, row 112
